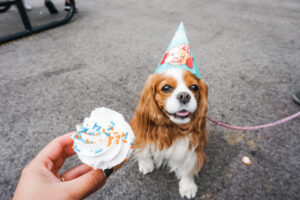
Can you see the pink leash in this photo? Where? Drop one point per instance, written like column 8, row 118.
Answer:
column 255, row 127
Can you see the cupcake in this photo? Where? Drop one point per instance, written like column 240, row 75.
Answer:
column 104, row 140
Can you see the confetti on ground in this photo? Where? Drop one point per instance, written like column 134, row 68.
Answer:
column 246, row 160
column 207, row 195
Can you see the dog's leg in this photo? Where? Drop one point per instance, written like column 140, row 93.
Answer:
column 145, row 161
column 184, row 169
column 187, row 185
column 187, row 171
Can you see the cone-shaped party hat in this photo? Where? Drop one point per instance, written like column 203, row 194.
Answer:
column 178, row 55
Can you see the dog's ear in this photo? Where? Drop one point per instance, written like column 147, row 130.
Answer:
column 200, row 136
column 147, row 111
column 203, row 97
column 200, row 117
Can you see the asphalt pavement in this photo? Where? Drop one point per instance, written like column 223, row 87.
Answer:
column 248, row 52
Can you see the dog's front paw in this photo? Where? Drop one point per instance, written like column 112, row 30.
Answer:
column 146, row 166
column 187, row 189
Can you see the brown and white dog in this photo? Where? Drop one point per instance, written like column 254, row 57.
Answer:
column 170, row 126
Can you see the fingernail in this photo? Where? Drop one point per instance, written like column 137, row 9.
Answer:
column 108, row 172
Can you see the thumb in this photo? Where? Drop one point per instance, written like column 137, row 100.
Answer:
column 86, row 184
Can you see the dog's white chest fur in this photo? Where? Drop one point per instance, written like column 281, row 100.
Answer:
column 179, row 159
column 176, row 156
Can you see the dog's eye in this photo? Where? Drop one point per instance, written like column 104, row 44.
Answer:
column 167, row 88
column 194, row 88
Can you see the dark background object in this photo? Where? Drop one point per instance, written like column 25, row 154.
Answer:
column 29, row 29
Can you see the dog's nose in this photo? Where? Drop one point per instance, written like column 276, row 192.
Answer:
column 183, row 97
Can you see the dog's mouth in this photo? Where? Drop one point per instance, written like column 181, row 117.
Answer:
column 181, row 114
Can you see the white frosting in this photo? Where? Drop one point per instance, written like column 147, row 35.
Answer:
column 104, row 139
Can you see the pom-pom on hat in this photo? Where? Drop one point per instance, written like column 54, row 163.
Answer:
column 178, row 54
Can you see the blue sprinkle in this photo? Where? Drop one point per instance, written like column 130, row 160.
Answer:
column 83, row 129
column 126, row 134
column 107, row 134
column 75, row 149
column 131, row 143
column 99, row 150
column 80, row 131
column 113, row 124
column 82, row 140
column 95, row 125
column 90, row 133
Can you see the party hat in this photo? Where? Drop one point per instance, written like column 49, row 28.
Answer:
column 178, row 55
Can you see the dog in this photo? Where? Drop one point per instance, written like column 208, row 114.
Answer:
column 170, row 126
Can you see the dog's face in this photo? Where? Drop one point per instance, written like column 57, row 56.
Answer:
column 176, row 94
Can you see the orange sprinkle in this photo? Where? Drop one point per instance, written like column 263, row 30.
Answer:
column 87, row 124
column 126, row 159
column 124, row 141
column 96, row 134
column 79, row 124
column 103, row 130
column 115, row 132
column 109, row 141
column 117, row 139
column 76, row 136
column 87, row 141
column 73, row 147
column 112, row 129
column 90, row 168
column 79, row 136
column 85, row 132
column 123, row 134
column 131, row 147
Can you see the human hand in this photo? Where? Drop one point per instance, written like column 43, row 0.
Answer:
column 40, row 178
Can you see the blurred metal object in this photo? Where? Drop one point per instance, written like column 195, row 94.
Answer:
column 29, row 29
column 4, row 6
column 51, row 7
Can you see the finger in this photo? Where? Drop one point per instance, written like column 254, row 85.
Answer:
column 86, row 184
column 76, row 172
column 56, row 147
column 58, row 163
column 69, row 151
